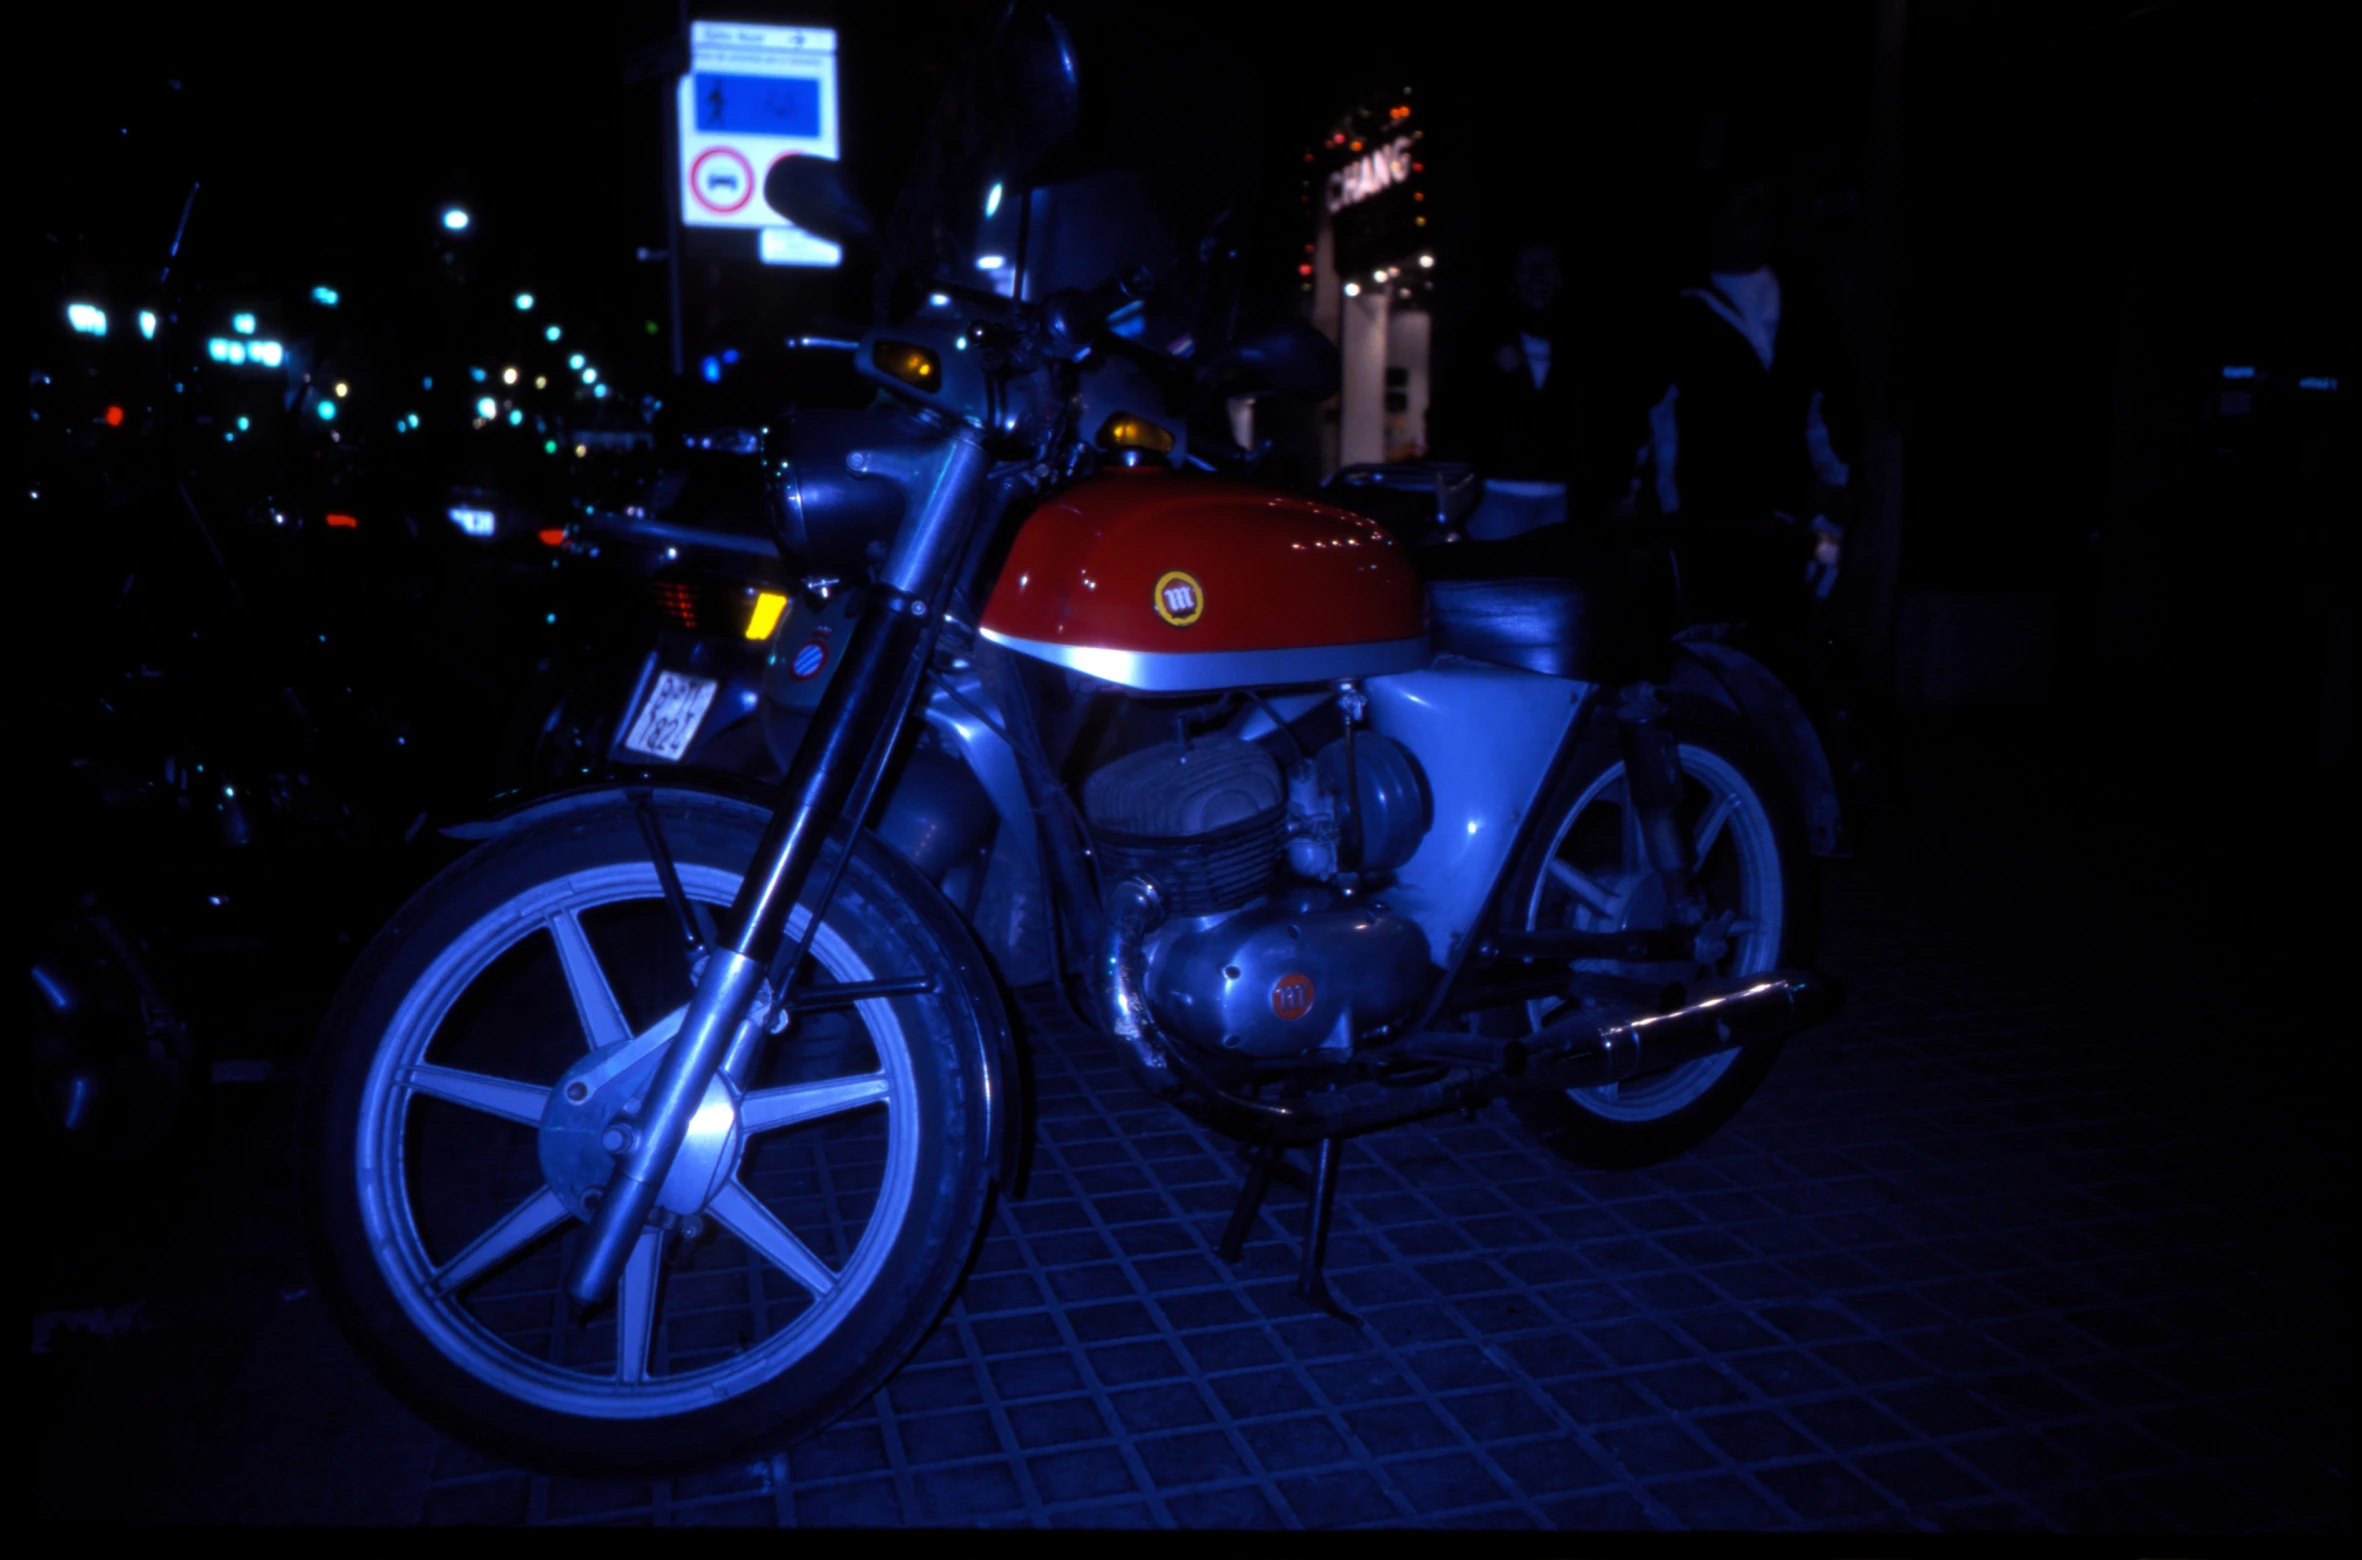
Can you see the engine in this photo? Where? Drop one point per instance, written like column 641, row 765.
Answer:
column 1266, row 952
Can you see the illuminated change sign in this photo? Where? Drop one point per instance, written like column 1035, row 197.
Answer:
column 752, row 95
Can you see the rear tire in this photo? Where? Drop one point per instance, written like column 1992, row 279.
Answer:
column 1584, row 869
column 749, row 1344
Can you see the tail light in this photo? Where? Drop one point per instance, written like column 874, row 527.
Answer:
column 677, row 599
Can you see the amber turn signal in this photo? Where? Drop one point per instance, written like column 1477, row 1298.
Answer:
column 915, row 366
column 769, row 604
column 1123, row 431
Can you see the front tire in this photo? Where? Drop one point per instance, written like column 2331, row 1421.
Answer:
column 1585, row 869
column 851, row 1183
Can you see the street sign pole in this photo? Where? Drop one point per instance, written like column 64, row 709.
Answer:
column 663, row 62
column 672, row 226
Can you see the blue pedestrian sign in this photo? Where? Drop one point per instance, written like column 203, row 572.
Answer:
column 751, row 96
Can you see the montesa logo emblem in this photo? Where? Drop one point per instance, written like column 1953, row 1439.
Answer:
column 1180, row 600
column 1291, row 995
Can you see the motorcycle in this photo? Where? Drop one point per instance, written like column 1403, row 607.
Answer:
column 665, row 1121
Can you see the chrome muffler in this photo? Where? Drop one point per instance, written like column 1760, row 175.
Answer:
column 1608, row 1046
column 1584, row 1053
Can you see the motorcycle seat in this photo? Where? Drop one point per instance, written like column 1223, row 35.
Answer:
column 1565, row 606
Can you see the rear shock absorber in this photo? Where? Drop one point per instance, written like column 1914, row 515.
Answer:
column 1652, row 779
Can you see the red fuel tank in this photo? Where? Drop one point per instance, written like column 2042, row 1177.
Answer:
column 1176, row 584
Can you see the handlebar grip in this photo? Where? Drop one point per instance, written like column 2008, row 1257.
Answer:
column 1074, row 318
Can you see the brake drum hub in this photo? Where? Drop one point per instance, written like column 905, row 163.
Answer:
column 577, row 1163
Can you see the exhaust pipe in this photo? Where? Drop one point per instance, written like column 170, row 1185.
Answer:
column 1583, row 1054
column 1594, row 1049
column 1133, row 911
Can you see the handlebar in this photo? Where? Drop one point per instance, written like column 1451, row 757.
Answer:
column 1074, row 318
column 651, row 532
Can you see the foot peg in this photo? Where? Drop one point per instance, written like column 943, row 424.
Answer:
column 1266, row 1164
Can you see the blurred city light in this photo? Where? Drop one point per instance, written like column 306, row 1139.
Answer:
column 268, row 353
column 342, row 389
column 590, row 376
column 475, row 522
column 87, row 318
column 990, row 262
column 147, row 324
column 508, row 376
column 515, row 417
column 324, row 296
column 575, row 361
column 241, row 425
column 223, row 350
column 327, row 410
column 600, row 391
column 711, row 368
column 992, row 201
column 455, row 219
column 550, row 334
column 243, row 324
column 524, row 302
column 487, row 408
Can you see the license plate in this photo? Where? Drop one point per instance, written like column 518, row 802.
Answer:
column 669, row 717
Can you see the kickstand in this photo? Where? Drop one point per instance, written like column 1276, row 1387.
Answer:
column 1263, row 1162
column 1312, row 1285
column 1266, row 1164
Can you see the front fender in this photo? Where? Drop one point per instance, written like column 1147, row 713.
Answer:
column 1004, row 1071
column 513, row 810
column 1737, row 679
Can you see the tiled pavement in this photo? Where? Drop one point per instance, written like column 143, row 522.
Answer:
column 2041, row 1233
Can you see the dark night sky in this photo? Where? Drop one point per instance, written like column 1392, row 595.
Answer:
column 2069, row 168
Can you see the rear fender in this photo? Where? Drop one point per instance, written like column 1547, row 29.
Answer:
column 1004, row 1073
column 1736, row 679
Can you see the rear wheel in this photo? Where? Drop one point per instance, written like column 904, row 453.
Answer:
column 1587, row 870
column 815, row 1225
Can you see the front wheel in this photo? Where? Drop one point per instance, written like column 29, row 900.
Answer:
column 814, row 1226
column 1587, row 870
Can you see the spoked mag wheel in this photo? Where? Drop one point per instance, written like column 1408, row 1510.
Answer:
column 1587, row 870
column 815, row 1224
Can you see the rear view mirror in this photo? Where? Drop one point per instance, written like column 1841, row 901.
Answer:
column 1288, row 358
column 815, row 194
column 1040, row 92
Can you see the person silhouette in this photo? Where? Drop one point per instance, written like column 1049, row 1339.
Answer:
column 1526, row 433
column 1743, row 398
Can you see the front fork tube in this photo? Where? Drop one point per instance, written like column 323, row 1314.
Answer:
column 1652, row 781
column 859, row 715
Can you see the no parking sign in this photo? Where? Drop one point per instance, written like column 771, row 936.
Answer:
column 751, row 96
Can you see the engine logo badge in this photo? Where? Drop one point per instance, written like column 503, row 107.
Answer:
column 1180, row 600
column 809, row 661
column 1291, row 995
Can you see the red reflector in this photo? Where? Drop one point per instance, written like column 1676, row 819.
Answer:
column 114, row 416
column 344, row 523
column 677, row 599
column 555, row 536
